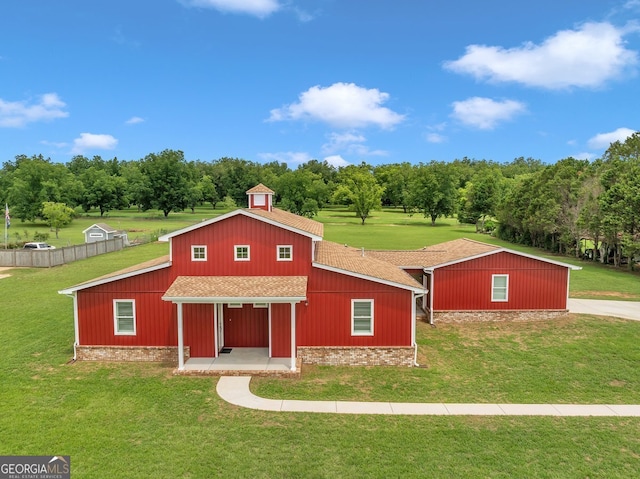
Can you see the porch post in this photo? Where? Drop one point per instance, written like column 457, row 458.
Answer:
column 215, row 330
column 180, row 339
column 293, row 336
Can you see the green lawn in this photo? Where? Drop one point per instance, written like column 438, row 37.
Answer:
column 137, row 420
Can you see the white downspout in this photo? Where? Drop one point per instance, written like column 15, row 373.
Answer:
column 431, row 298
column 414, row 342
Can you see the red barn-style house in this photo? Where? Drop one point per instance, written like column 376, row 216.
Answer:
column 263, row 280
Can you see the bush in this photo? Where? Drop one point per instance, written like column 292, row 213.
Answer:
column 40, row 236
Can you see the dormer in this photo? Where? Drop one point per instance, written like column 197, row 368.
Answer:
column 260, row 197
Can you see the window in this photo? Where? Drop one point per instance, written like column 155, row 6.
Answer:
column 500, row 287
column 241, row 253
column 198, row 253
column 96, row 235
column 259, row 200
column 362, row 317
column 234, row 305
column 285, row 253
column 124, row 316
column 260, row 305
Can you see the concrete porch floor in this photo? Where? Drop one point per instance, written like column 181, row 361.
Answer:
column 238, row 361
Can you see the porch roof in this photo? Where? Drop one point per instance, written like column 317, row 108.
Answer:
column 235, row 289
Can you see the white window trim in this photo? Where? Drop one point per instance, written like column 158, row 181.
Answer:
column 260, row 305
column 493, row 288
column 361, row 333
column 235, row 252
column 193, row 252
column 290, row 258
column 234, row 305
column 96, row 235
column 115, row 317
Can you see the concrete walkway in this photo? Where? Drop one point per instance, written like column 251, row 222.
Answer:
column 599, row 307
column 235, row 390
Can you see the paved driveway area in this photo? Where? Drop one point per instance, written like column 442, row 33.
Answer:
column 618, row 309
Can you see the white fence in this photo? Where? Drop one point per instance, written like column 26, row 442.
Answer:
column 28, row 258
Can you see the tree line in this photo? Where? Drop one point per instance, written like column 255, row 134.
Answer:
column 577, row 207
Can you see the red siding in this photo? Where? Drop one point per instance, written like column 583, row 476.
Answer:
column 327, row 318
column 220, row 239
column 533, row 284
column 281, row 330
column 246, row 327
column 198, row 325
column 155, row 320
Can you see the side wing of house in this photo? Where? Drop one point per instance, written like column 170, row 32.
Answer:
column 500, row 281
column 355, row 321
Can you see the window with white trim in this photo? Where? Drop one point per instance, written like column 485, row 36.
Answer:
column 96, row 235
column 234, row 305
column 259, row 200
column 285, row 253
column 260, row 305
column 198, row 253
column 241, row 253
column 362, row 317
column 124, row 317
column 500, row 288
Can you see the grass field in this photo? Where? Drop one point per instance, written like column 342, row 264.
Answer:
column 139, row 421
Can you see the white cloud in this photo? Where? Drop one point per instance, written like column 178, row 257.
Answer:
column 55, row 144
column 342, row 105
column 351, row 143
column 485, row 113
column 19, row 113
column 435, row 138
column 588, row 56
column 134, row 120
column 289, row 157
column 90, row 141
column 584, row 155
column 336, row 160
column 258, row 8
column 602, row 141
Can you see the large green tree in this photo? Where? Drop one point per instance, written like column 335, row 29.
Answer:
column 302, row 192
column 433, row 190
column 168, row 181
column 103, row 191
column 358, row 188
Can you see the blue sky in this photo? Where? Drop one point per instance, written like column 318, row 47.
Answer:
column 343, row 80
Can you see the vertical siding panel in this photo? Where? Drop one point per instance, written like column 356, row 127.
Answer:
column 199, row 329
column 281, row 330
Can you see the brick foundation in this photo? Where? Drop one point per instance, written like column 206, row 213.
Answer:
column 479, row 316
column 165, row 354
column 357, row 356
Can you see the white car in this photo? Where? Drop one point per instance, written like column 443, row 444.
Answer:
column 38, row 246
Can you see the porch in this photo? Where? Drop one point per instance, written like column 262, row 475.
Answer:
column 240, row 362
